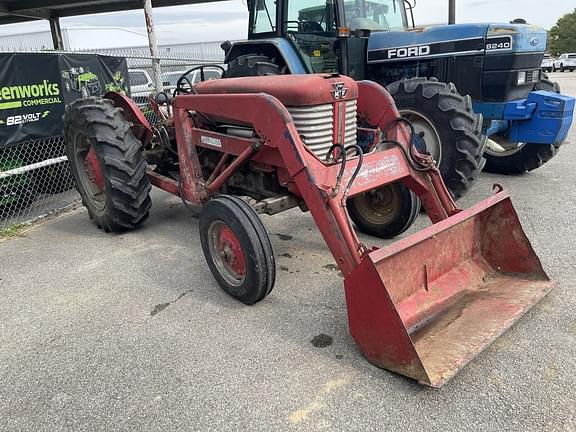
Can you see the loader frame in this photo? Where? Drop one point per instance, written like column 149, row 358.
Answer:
column 306, row 176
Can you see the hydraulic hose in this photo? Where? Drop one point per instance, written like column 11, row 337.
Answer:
column 360, row 155
column 410, row 156
column 342, row 165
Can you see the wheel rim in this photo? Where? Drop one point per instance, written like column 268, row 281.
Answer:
column 90, row 172
column 425, row 129
column 381, row 206
column 500, row 147
column 227, row 253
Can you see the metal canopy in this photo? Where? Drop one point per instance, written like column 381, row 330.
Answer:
column 15, row 11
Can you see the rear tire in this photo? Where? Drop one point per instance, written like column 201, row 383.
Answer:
column 252, row 65
column 107, row 164
column 385, row 212
column 84, row 92
column 237, row 249
column 453, row 125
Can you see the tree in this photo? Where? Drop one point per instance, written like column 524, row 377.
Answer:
column 562, row 37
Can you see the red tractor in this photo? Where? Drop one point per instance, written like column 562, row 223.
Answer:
column 422, row 307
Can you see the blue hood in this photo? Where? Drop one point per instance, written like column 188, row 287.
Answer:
column 459, row 39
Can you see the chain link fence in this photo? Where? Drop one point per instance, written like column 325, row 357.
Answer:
column 35, row 180
column 35, row 177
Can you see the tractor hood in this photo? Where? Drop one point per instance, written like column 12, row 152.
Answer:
column 291, row 90
column 455, row 40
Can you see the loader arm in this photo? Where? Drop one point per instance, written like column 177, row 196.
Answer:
column 313, row 180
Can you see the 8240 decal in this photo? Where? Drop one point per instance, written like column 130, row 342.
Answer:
column 499, row 43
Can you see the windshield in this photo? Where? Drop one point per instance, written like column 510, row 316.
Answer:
column 375, row 14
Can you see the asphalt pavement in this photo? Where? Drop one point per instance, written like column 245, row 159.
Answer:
column 131, row 332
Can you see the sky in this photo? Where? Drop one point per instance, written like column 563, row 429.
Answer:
column 228, row 19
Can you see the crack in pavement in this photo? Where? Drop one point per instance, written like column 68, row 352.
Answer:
column 160, row 307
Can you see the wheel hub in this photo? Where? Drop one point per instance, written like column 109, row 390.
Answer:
column 380, row 206
column 227, row 252
column 427, row 138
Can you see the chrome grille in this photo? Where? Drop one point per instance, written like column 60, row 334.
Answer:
column 315, row 125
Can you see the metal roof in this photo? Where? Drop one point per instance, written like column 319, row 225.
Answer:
column 14, row 11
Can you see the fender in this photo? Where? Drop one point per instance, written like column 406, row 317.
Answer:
column 140, row 125
column 273, row 47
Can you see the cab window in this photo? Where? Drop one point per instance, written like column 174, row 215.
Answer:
column 264, row 16
column 310, row 16
column 375, row 15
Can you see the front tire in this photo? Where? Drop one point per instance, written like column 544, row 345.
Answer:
column 516, row 159
column 547, row 84
column 445, row 121
column 237, row 249
column 503, row 157
column 385, row 212
column 107, row 164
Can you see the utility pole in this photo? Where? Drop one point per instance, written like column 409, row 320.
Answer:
column 153, row 43
column 56, row 32
column 451, row 11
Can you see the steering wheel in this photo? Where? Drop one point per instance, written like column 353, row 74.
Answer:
column 180, row 89
column 309, row 27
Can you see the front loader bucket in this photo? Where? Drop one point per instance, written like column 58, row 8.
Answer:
column 428, row 304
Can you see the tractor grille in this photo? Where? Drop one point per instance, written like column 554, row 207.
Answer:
column 533, row 76
column 315, row 125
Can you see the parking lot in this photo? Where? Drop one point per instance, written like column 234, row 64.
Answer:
column 131, row 332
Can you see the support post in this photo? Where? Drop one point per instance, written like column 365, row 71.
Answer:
column 56, row 32
column 451, row 11
column 153, row 44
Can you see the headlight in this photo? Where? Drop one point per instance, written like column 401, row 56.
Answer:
column 521, row 78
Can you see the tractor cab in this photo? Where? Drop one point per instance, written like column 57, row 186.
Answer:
column 329, row 36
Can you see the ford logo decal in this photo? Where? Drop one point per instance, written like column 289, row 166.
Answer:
column 534, row 41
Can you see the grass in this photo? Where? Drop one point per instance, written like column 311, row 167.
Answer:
column 11, row 231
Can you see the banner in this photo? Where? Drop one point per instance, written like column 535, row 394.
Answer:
column 34, row 88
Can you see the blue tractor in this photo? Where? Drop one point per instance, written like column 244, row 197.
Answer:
column 497, row 67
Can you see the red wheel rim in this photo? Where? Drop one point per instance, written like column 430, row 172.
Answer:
column 93, row 170
column 90, row 174
column 227, row 253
